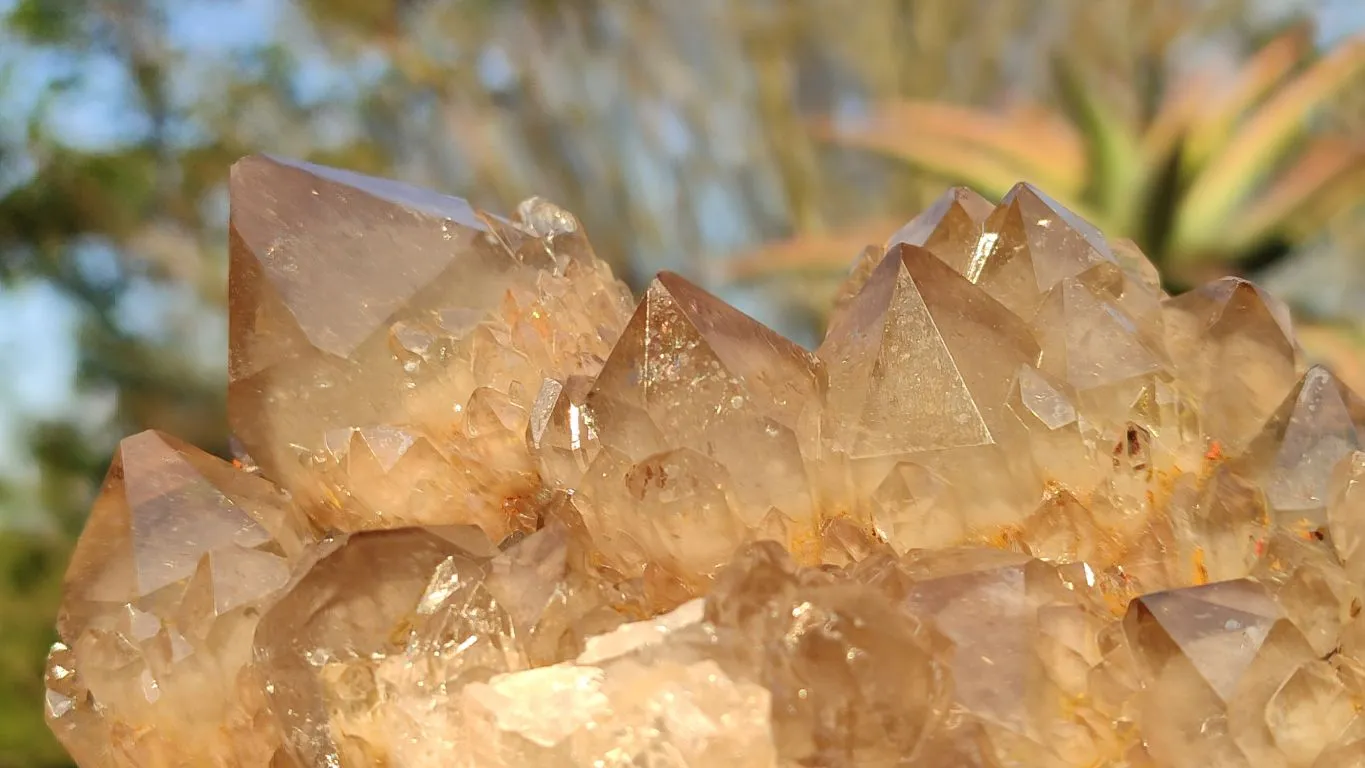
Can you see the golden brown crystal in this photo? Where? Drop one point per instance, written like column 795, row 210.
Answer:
column 1021, row 508
column 403, row 324
column 163, row 594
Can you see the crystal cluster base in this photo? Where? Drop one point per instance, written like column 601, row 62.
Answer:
column 1020, row 508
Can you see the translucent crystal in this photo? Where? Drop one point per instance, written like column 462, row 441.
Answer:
column 1020, row 509
column 163, row 594
column 693, row 423
column 920, row 366
column 366, row 304
column 1233, row 346
column 951, row 228
column 852, row 678
column 1213, row 659
column 1316, row 427
column 1030, row 243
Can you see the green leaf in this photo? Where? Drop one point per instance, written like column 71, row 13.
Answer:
column 1115, row 155
column 47, row 21
column 1231, row 176
column 1167, row 129
column 1259, row 76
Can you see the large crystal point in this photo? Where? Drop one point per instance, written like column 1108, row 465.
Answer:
column 1213, row 659
column 365, row 304
column 920, row 367
column 1233, row 346
column 922, row 361
column 1020, row 509
column 162, row 596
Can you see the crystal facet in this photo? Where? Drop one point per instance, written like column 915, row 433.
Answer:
column 1021, row 508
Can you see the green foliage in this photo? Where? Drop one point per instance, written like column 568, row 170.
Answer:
column 29, row 588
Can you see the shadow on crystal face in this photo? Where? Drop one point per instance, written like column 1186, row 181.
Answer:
column 1020, row 507
column 386, row 342
column 162, row 598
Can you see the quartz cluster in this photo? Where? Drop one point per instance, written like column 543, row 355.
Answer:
column 1020, row 508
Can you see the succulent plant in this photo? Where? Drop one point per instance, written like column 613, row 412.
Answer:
column 1222, row 175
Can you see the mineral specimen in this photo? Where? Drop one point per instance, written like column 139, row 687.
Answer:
column 1020, row 508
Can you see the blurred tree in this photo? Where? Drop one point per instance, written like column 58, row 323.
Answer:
column 675, row 130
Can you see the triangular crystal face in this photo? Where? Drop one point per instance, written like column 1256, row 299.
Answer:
column 316, row 238
column 1088, row 341
column 690, row 361
column 1030, row 243
column 1218, row 629
column 950, row 229
column 1233, row 346
column 1318, row 425
column 922, row 360
column 987, row 603
column 362, row 303
column 695, row 421
column 164, row 507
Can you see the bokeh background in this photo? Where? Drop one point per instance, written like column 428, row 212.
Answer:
column 754, row 145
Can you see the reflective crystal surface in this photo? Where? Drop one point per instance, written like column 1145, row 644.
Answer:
column 1019, row 508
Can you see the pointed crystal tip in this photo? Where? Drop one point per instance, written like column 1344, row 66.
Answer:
column 1020, row 507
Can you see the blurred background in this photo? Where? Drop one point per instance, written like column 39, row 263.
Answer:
column 754, row 146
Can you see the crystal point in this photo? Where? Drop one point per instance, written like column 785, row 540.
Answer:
column 1318, row 424
column 162, row 596
column 1020, row 508
column 921, row 360
column 1233, row 345
column 1031, row 243
column 363, row 303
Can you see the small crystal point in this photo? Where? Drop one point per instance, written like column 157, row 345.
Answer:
column 693, row 392
column 1218, row 629
column 1318, row 424
column 1088, row 337
column 1030, row 243
column 950, row 229
column 684, row 345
